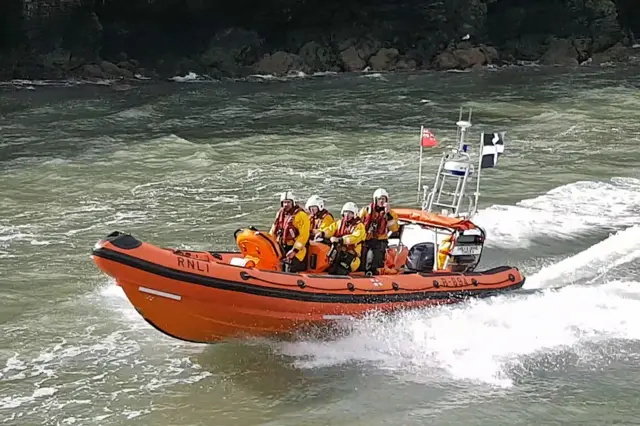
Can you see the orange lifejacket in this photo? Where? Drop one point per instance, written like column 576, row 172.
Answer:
column 375, row 223
column 346, row 228
column 285, row 230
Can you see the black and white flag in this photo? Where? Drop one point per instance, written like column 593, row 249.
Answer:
column 492, row 147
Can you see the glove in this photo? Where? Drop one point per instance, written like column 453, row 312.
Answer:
column 336, row 239
column 291, row 254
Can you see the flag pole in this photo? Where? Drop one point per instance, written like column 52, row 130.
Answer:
column 458, row 128
column 477, row 195
column 420, row 167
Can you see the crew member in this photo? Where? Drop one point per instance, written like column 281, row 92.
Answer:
column 378, row 219
column 291, row 229
column 348, row 233
column 320, row 217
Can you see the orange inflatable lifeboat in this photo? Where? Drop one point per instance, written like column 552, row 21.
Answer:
column 208, row 296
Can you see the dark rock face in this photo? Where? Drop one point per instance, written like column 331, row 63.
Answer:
column 162, row 38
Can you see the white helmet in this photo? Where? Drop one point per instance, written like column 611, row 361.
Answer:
column 316, row 201
column 349, row 207
column 287, row 195
column 380, row 192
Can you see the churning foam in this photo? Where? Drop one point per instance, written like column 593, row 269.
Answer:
column 620, row 248
column 485, row 340
column 575, row 208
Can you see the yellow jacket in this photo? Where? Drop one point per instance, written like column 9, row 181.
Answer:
column 392, row 224
column 302, row 225
column 324, row 222
column 352, row 239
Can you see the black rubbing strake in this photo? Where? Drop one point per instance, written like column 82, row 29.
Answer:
column 283, row 293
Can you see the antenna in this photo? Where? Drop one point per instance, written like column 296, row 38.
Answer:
column 462, row 128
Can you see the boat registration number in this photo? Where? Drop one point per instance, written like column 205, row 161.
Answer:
column 466, row 250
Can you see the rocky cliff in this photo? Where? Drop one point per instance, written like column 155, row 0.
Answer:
column 118, row 38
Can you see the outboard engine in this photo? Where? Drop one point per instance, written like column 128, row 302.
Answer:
column 421, row 258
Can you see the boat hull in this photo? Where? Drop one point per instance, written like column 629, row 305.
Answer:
column 199, row 297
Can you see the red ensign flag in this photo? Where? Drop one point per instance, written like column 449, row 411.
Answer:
column 427, row 139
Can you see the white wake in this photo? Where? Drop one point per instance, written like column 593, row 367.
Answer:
column 576, row 208
column 482, row 341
